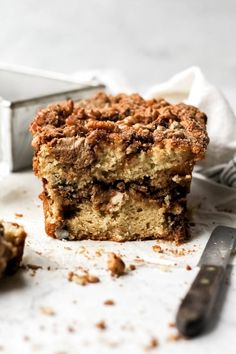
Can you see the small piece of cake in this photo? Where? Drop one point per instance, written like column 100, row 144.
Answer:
column 117, row 167
column 12, row 240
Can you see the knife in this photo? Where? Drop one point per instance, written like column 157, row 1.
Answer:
column 197, row 307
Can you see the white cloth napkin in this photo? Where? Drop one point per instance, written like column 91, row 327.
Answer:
column 190, row 86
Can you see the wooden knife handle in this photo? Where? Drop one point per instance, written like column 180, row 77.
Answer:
column 196, row 308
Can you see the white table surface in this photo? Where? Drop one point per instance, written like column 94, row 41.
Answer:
column 146, row 299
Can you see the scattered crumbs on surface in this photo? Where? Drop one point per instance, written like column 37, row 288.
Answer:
column 82, row 250
column 48, row 311
column 175, row 337
column 19, row 215
column 39, row 253
column 188, row 267
column 109, row 302
column 157, row 248
column 138, row 259
column 115, row 265
column 83, row 279
column 67, row 248
column 152, row 344
column 70, row 329
column 179, row 252
column 101, row 325
column 48, row 268
column 172, row 325
column 132, row 267
column 98, row 252
column 32, row 267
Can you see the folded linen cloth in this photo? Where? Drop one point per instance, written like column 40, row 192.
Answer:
column 191, row 87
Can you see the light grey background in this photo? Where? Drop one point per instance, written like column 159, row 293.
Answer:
column 149, row 40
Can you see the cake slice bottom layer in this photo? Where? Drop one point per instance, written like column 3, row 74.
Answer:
column 123, row 216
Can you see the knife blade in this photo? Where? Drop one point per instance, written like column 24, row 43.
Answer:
column 197, row 306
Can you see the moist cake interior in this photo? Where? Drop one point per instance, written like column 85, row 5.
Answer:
column 117, row 168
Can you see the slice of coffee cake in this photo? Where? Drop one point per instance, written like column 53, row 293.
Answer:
column 12, row 240
column 117, row 167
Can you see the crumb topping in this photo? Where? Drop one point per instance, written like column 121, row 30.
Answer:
column 137, row 122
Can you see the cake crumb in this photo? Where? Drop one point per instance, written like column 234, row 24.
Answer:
column 82, row 250
column 82, row 279
column 32, row 267
column 132, row 267
column 98, row 253
column 115, row 265
column 175, row 337
column 188, row 267
column 101, row 325
column 138, row 259
column 109, row 302
column 19, row 215
column 39, row 253
column 152, row 344
column 177, row 252
column 48, row 311
column 157, row 248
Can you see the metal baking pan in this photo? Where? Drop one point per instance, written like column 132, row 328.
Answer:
column 22, row 94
